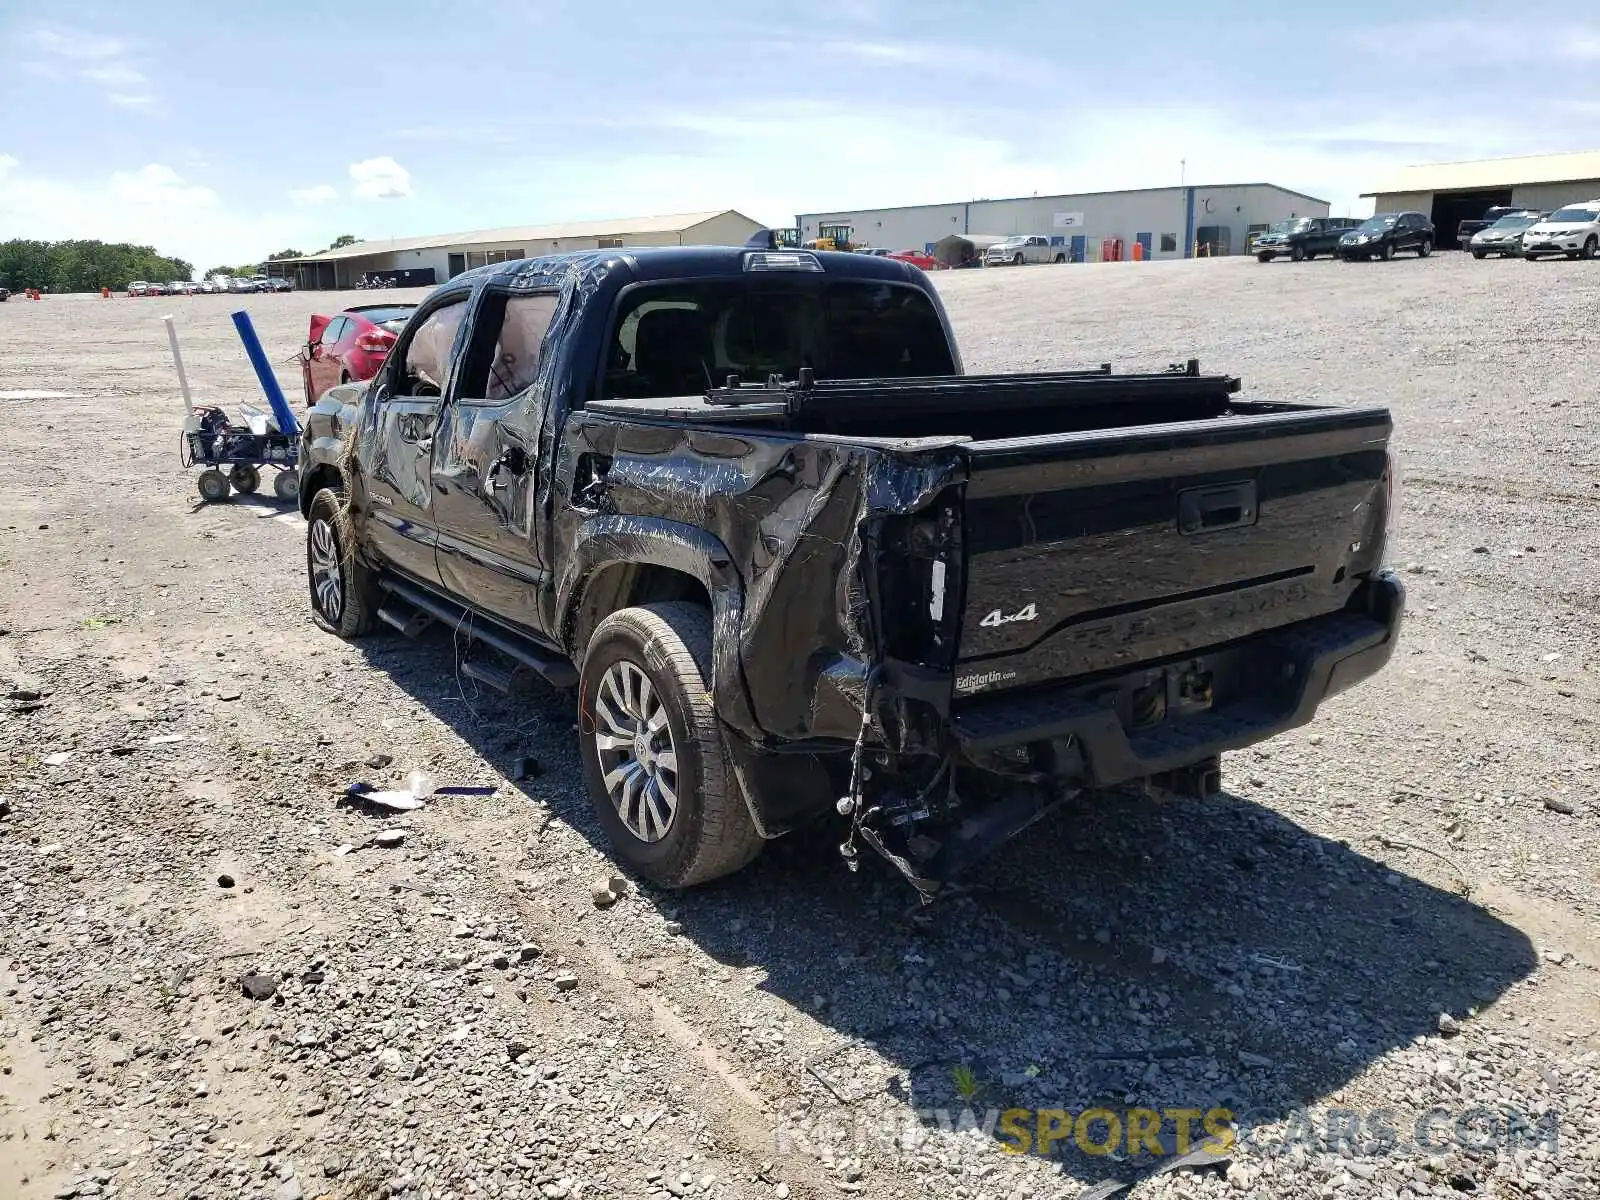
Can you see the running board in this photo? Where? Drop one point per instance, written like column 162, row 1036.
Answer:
column 410, row 623
column 523, row 651
column 490, row 675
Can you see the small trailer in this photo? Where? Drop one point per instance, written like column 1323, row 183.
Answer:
column 234, row 454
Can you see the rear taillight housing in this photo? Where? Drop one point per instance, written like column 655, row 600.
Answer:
column 375, row 343
column 1389, row 526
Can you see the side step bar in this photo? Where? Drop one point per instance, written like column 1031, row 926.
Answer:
column 411, row 624
column 558, row 672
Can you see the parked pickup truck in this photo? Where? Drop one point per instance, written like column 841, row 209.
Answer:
column 1300, row 238
column 799, row 567
column 1024, row 248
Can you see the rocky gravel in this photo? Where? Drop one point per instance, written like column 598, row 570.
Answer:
column 221, row 976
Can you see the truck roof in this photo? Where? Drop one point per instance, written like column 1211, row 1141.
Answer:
column 656, row 263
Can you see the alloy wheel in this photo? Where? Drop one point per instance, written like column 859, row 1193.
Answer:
column 327, row 582
column 638, row 760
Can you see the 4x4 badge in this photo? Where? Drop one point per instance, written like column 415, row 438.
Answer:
column 997, row 618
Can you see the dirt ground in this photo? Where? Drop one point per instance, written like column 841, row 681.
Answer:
column 1390, row 913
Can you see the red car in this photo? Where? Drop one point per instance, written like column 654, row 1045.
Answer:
column 917, row 258
column 350, row 346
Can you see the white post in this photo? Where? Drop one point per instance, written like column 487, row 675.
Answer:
column 177, row 361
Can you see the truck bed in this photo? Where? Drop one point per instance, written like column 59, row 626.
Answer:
column 1109, row 520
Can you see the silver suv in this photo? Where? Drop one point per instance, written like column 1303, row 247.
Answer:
column 1023, row 248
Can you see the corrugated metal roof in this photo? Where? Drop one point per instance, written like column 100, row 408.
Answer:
column 1492, row 173
column 619, row 227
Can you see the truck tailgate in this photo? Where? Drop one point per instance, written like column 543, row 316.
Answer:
column 1091, row 551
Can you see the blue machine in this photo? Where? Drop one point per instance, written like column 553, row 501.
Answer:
column 233, row 455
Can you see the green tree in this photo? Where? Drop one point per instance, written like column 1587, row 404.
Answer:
column 343, row 240
column 84, row 266
column 285, row 254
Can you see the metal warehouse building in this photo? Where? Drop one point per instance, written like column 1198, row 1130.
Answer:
column 427, row 260
column 1453, row 192
column 1174, row 222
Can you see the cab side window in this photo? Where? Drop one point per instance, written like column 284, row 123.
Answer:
column 427, row 360
column 513, row 365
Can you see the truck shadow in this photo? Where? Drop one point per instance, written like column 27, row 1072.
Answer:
column 1202, row 955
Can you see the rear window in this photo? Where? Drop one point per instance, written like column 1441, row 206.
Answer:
column 679, row 339
column 399, row 314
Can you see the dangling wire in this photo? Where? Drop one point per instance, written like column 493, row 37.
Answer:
column 854, row 795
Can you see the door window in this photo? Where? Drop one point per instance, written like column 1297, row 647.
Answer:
column 333, row 331
column 427, row 356
column 514, row 365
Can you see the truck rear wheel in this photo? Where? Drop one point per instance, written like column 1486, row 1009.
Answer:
column 653, row 754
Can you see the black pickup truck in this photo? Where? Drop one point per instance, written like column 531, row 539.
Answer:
column 1300, row 238
column 799, row 567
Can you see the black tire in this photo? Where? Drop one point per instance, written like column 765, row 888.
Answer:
column 344, row 377
column 245, row 479
column 1480, row 254
column 1386, row 251
column 351, row 612
column 1424, row 247
column 1264, row 258
column 213, row 486
column 1016, row 260
column 1297, row 254
column 286, row 486
column 1530, row 257
column 1061, row 258
column 1590, row 245
column 709, row 832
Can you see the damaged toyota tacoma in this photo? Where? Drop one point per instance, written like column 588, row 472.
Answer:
column 798, row 566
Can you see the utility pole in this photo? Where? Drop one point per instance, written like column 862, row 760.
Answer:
column 1183, row 171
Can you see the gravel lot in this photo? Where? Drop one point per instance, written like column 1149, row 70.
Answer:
column 1392, row 911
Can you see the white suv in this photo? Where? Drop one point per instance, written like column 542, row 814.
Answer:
column 1573, row 231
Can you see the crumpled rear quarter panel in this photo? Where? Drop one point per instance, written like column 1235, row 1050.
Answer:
column 790, row 512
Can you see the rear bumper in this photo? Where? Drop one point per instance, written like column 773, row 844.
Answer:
column 1277, row 680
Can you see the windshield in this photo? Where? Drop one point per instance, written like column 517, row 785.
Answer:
column 1378, row 224
column 1517, row 222
column 678, row 339
column 1577, row 215
column 1015, row 241
column 1291, row 226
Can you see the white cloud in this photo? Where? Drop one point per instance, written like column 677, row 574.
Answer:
column 77, row 44
column 320, row 194
column 1456, row 43
column 381, row 179
column 99, row 60
column 157, row 184
column 116, row 75
column 152, row 206
column 7, row 162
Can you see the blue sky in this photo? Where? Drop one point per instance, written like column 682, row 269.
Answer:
column 222, row 132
